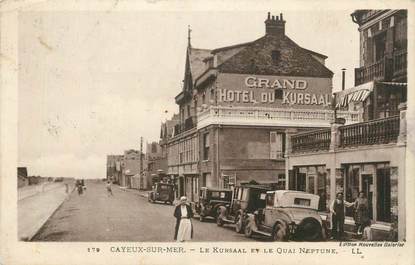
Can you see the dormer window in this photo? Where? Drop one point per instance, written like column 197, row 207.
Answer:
column 275, row 55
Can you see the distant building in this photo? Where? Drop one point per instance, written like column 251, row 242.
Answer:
column 131, row 167
column 156, row 163
column 114, row 169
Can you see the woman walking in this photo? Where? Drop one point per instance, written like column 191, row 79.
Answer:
column 184, row 228
column 361, row 213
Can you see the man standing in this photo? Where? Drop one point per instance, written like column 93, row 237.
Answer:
column 184, row 228
column 109, row 189
column 338, row 210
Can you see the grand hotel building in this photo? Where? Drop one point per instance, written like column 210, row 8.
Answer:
column 238, row 105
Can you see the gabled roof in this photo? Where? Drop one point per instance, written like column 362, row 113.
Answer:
column 196, row 61
column 294, row 60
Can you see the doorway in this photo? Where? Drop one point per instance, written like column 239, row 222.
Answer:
column 367, row 188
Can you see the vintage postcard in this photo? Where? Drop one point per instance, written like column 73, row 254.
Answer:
column 206, row 132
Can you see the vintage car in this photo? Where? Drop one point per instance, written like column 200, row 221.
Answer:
column 163, row 192
column 288, row 215
column 246, row 199
column 210, row 199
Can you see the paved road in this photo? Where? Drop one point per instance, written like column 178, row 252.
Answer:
column 126, row 216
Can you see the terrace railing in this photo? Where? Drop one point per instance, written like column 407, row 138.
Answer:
column 381, row 131
column 317, row 140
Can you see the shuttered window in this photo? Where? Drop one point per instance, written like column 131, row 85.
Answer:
column 277, row 143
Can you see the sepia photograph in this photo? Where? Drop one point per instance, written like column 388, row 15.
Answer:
column 276, row 126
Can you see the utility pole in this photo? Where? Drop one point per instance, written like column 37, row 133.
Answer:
column 141, row 163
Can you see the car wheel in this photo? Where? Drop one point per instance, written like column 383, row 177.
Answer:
column 219, row 221
column 248, row 231
column 279, row 233
column 238, row 224
column 310, row 230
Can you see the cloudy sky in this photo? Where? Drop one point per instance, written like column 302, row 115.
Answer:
column 92, row 83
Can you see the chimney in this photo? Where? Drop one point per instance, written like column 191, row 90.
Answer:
column 343, row 78
column 275, row 25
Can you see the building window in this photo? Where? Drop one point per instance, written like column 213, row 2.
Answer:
column 275, row 55
column 206, row 146
column 281, row 182
column 277, row 145
column 188, row 110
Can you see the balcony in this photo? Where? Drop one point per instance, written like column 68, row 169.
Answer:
column 272, row 117
column 385, row 69
column 318, row 140
column 378, row 71
column 381, row 131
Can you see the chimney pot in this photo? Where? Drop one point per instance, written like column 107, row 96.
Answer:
column 275, row 26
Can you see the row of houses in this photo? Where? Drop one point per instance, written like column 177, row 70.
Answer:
column 137, row 170
column 266, row 110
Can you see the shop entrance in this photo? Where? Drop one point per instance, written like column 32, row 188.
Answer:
column 367, row 188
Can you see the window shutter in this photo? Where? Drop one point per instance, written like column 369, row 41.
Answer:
column 273, row 145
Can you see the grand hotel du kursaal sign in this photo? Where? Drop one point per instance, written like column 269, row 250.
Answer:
column 308, row 92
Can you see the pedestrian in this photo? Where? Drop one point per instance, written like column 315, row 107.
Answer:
column 361, row 213
column 66, row 188
column 338, row 210
column 109, row 189
column 79, row 187
column 184, row 228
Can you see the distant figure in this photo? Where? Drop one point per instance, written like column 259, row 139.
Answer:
column 184, row 228
column 66, row 188
column 79, row 187
column 109, row 189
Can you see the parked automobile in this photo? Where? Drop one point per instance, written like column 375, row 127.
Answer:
column 163, row 192
column 288, row 215
column 210, row 199
column 246, row 199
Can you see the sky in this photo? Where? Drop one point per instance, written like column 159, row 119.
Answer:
column 93, row 83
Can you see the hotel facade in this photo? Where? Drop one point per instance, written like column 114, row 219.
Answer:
column 239, row 105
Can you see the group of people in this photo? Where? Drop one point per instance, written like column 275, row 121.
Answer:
column 184, row 229
column 360, row 215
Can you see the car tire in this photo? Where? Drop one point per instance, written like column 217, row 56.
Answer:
column 279, row 233
column 310, row 230
column 219, row 221
column 248, row 231
column 238, row 224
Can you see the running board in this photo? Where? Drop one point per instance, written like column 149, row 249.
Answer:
column 262, row 233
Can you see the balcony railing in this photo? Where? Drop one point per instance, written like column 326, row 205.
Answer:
column 381, row 131
column 400, row 62
column 374, row 72
column 272, row 116
column 318, row 140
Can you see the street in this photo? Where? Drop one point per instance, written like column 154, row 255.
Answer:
column 126, row 216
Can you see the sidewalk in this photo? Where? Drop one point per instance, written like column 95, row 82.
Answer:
column 35, row 210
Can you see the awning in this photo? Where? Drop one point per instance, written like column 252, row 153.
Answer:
column 356, row 94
